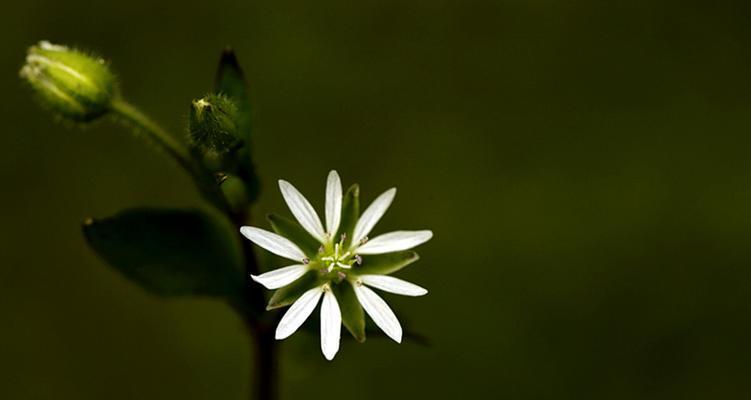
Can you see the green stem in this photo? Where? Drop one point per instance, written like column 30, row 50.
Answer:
column 251, row 303
column 156, row 133
column 203, row 179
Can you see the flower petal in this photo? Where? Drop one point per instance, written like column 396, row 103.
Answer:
column 302, row 210
column 380, row 312
column 333, row 202
column 298, row 313
column 281, row 277
column 370, row 217
column 393, row 285
column 394, row 241
column 274, row 243
column 331, row 325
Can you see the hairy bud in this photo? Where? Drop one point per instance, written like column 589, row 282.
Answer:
column 213, row 124
column 71, row 83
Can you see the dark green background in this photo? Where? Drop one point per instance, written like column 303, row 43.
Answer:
column 583, row 164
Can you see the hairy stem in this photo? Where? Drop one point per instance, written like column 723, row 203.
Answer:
column 155, row 132
column 202, row 178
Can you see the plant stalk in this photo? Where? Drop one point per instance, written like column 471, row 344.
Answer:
column 260, row 323
column 252, row 304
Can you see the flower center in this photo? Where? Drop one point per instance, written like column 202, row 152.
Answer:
column 337, row 258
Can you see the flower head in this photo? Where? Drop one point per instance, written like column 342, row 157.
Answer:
column 337, row 262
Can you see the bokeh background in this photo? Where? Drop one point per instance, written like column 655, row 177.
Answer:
column 584, row 165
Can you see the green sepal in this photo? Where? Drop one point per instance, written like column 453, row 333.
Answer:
column 294, row 232
column 170, row 252
column 353, row 316
column 230, row 81
column 288, row 294
column 350, row 213
column 384, row 264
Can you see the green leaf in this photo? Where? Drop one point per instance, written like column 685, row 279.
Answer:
column 350, row 213
column 294, row 232
column 353, row 316
column 384, row 264
column 230, row 82
column 170, row 252
column 288, row 294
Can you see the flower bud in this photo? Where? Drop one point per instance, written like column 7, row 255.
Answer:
column 71, row 83
column 213, row 125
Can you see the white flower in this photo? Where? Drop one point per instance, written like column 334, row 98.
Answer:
column 338, row 262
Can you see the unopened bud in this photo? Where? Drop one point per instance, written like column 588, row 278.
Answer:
column 71, row 83
column 213, row 124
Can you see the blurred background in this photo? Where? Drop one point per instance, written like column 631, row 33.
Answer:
column 583, row 164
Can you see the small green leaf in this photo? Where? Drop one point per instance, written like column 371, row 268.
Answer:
column 353, row 316
column 288, row 294
column 230, row 82
column 294, row 232
column 384, row 264
column 170, row 252
column 350, row 213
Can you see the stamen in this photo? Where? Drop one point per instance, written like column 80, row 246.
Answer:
column 341, row 276
column 343, row 237
column 306, row 261
column 358, row 259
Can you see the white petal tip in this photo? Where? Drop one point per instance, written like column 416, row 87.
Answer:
column 280, row 335
column 329, row 356
column 396, row 336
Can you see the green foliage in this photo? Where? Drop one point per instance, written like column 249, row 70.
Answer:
column 353, row 316
column 350, row 213
column 288, row 294
column 170, row 252
column 230, row 82
column 384, row 264
column 70, row 83
column 294, row 232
